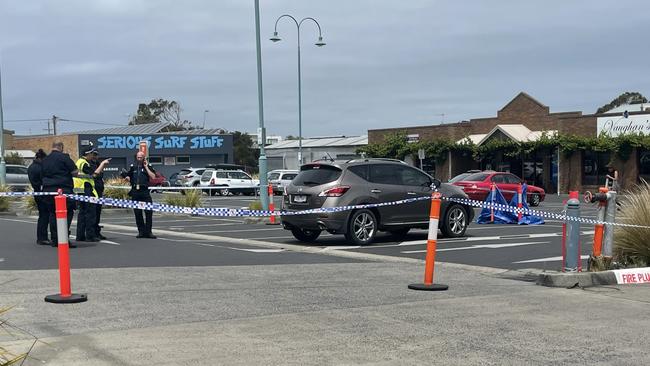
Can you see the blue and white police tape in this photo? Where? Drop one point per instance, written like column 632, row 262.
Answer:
column 26, row 194
column 220, row 211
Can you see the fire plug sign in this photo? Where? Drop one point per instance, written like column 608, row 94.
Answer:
column 632, row 276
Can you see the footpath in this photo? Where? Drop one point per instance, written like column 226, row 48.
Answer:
column 322, row 314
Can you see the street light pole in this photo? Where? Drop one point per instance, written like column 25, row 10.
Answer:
column 3, row 165
column 264, row 193
column 319, row 43
column 204, row 113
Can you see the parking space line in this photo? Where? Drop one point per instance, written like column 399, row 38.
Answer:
column 549, row 259
column 238, row 231
column 481, row 246
column 258, row 250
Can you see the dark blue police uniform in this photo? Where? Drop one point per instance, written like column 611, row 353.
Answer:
column 140, row 192
column 57, row 174
column 99, row 188
column 35, row 174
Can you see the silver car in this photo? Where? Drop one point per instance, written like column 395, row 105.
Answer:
column 367, row 181
column 278, row 179
column 17, row 177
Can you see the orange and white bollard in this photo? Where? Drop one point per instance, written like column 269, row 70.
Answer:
column 520, row 204
column 272, row 219
column 430, row 260
column 600, row 228
column 65, row 296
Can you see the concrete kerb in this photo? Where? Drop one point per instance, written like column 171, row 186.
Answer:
column 577, row 279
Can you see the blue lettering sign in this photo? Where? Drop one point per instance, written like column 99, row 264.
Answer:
column 160, row 142
column 206, row 142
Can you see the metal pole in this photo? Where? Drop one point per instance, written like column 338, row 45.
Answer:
column 572, row 234
column 264, row 195
column 3, row 165
column 610, row 216
column 299, row 105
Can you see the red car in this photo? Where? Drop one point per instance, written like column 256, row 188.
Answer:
column 159, row 181
column 477, row 186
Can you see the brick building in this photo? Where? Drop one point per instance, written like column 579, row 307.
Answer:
column 525, row 119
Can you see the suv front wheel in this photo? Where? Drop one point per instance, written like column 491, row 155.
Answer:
column 454, row 223
column 362, row 227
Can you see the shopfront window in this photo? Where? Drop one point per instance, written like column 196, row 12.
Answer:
column 594, row 167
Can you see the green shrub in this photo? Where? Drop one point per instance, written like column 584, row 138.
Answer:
column 191, row 198
column 255, row 205
column 30, row 204
column 117, row 193
column 5, row 202
column 631, row 246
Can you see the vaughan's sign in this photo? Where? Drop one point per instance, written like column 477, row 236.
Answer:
column 619, row 125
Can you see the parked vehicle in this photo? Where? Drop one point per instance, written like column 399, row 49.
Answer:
column 158, row 181
column 173, row 180
column 462, row 176
column 17, row 177
column 190, row 177
column 279, row 179
column 365, row 181
column 477, row 186
column 224, row 182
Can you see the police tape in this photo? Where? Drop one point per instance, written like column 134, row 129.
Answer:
column 230, row 212
column 173, row 188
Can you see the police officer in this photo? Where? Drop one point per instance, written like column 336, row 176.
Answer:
column 57, row 171
column 84, row 184
column 99, row 188
column 139, row 175
column 35, row 174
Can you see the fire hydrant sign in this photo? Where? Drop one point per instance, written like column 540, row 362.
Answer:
column 632, row 276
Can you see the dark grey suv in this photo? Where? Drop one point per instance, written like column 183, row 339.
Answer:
column 367, row 181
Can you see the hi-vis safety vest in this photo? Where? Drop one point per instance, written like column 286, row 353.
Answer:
column 81, row 180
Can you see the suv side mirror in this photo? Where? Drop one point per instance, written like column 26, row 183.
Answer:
column 435, row 184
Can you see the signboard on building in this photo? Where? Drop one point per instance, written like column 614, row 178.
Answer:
column 127, row 145
column 619, row 125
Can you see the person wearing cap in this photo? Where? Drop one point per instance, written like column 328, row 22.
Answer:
column 57, row 172
column 84, row 184
column 99, row 188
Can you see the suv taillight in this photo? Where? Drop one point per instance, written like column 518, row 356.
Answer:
column 334, row 192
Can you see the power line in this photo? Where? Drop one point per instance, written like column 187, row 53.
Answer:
column 28, row 120
column 90, row 122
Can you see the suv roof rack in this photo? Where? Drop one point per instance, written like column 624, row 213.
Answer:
column 371, row 159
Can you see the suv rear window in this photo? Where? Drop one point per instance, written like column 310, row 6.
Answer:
column 184, row 172
column 476, row 177
column 274, row 176
column 314, row 175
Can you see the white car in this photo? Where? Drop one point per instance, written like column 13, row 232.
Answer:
column 190, row 177
column 224, row 182
column 281, row 178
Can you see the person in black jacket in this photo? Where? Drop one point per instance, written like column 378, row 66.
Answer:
column 99, row 188
column 35, row 174
column 139, row 175
column 58, row 170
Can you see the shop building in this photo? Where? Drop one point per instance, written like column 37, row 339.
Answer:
column 525, row 119
column 169, row 152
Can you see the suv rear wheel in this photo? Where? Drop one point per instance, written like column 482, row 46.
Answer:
column 305, row 235
column 454, row 223
column 362, row 227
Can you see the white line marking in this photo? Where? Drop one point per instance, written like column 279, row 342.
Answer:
column 109, row 242
column 259, row 250
column 2, row 259
column 484, row 246
column 341, row 247
column 549, row 259
column 237, row 231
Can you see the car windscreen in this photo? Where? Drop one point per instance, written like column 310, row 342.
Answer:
column 314, row 175
column 459, row 177
column 476, row 177
column 184, row 172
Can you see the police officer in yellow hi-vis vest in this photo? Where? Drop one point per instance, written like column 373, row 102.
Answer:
column 84, row 184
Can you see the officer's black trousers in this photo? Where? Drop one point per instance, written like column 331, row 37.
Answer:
column 51, row 208
column 144, row 225
column 43, row 218
column 86, row 221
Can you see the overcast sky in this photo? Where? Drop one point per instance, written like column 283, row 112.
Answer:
column 386, row 63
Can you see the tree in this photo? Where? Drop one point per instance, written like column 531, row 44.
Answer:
column 161, row 110
column 625, row 98
column 244, row 152
column 291, row 137
column 14, row 158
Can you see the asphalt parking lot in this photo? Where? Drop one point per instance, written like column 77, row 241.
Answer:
column 222, row 241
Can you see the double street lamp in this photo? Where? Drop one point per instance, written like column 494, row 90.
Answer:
column 318, row 43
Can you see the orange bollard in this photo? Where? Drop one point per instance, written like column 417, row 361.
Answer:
column 272, row 219
column 429, row 263
column 519, row 203
column 65, row 296
column 599, row 228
